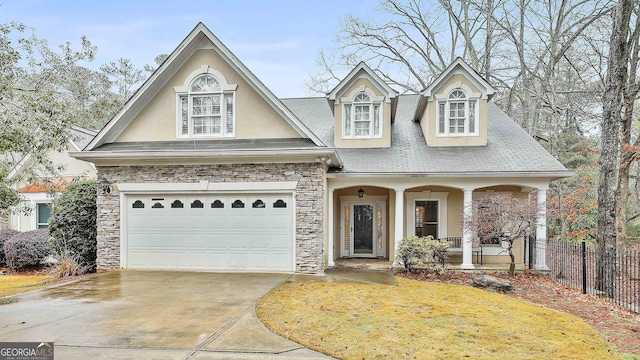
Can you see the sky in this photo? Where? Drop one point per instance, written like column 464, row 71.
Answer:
column 278, row 40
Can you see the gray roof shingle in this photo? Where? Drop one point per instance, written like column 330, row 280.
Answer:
column 509, row 148
column 200, row 144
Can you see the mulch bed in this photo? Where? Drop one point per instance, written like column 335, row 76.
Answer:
column 617, row 325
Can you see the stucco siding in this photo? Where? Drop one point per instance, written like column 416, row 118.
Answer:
column 430, row 121
column 362, row 84
column 255, row 118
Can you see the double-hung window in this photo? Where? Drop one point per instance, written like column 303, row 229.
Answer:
column 457, row 115
column 206, row 110
column 362, row 118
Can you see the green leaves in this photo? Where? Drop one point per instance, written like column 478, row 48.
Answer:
column 72, row 226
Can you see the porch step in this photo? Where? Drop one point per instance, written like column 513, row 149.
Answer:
column 360, row 263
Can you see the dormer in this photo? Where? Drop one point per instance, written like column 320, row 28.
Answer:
column 363, row 106
column 453, row 108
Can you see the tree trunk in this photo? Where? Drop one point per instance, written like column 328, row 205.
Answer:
column 487, row 41
column 628, row 148
column 512, row 266
column 609, row 148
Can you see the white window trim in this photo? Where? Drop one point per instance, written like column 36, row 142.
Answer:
column 444, row 98
column 226, row 89
column 34, row 199
column 375, row 100
column 427, row 195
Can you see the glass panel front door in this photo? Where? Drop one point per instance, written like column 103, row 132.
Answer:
column 363, row 229
column 427, row 218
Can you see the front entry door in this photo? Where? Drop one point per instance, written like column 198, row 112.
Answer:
column 363, row 227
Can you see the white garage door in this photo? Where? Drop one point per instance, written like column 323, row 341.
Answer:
column 233, row 232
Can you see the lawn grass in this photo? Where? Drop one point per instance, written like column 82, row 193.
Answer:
column 14, row 284
column 422, row 320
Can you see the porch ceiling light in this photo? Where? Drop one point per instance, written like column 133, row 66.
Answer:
column 361, row 193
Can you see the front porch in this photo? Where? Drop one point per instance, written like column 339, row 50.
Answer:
column 385, row 264
column 367, row 222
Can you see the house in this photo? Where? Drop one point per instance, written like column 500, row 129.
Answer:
column 38, row 195
column 204, row 168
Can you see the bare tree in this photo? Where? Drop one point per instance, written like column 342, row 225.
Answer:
column 500, row 217
column 629, row 147
column 608, row 165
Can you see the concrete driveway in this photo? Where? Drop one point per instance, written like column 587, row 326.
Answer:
column 152, row 315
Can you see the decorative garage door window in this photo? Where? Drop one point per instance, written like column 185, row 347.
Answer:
column 279, row 204
column 138, row 204
column 158, row 203
column 177, row 204
column 197, row 204
column 238, row 204
column 217, row 205
column 258, row 204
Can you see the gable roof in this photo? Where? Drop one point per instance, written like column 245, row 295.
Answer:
column 471, row 74
column 353, row 75
column 457, row 66
column 200, row 37
column 510, row 150
column 78, row 138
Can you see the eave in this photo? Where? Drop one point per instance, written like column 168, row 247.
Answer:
column 551, row 175
column 131, row 158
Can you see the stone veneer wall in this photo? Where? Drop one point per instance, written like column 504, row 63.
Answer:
column 309, row 198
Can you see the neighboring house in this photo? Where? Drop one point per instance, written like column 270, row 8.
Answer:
column 204, row 168
column 39, row 194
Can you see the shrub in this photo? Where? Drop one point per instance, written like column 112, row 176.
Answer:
column 422, row 252
column 72, row 226
column 68, row 264
column 27, row 249
column 5, row 234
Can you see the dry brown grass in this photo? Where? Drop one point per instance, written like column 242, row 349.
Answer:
column 420, row 320
column 14, row 284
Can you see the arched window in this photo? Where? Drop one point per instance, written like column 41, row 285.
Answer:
column 217, row 205
column 457, row 114
column 279, row 204
column 361, row 117
column 206, row 108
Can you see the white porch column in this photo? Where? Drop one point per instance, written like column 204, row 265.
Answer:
column 330, row 239
column 467, row 234
column 399, row 224
column 541, row 231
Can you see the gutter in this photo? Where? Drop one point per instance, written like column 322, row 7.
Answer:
column 196, row 157
column 554, row 175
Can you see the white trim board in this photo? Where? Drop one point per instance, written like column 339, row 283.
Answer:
column 206, row 186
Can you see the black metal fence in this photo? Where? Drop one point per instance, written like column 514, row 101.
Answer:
column 574, row 265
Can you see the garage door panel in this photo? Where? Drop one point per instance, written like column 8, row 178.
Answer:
column 193, row 234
